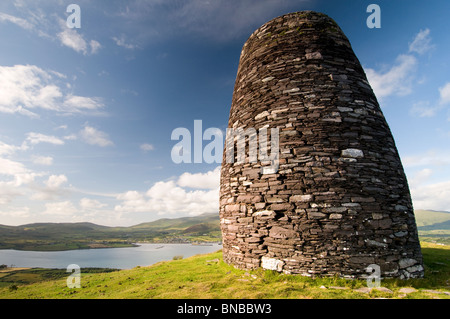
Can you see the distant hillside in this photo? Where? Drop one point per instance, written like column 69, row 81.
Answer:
column 433, row 225
column 65, row 236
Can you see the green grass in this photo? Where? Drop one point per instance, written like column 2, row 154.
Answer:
column 207, row 276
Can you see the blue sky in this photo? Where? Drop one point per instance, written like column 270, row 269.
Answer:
column 86, row 114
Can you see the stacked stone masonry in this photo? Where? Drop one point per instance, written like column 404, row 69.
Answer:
column 339, row 200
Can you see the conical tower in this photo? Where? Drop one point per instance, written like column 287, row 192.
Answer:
column 337, row 200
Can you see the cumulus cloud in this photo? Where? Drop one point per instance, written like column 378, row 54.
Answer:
column 52, row 189
column 93, row 136
column 28, row 87
column 208, row 180
column 55, row 181
column 12, row 168
column 172, row 197
column 423, row 171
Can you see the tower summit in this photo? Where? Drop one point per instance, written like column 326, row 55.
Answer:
column 338, row 200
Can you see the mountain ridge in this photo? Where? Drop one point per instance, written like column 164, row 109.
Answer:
column 81, row 235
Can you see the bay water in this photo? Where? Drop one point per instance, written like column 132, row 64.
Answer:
column 121, row 258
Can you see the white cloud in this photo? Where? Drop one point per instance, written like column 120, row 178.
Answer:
column 55, row 181
column 426, row 191
column 395, row 81
column 13, row 215
column 20, row 174
column 9, row 167
column 52, row 189
column 445, row 94
column 74, row 104
column 430, row 158
column 36, row 138
column 420, row 177
column 93, row 136
column 61, row 127
column 60, row 209
column 171, row 198
column 71, row 137
column 209, row 180
column 95, row 46
column 121, row 42
column 27, row 87
column 91, row 204
column 18, row 21
column 434, row 196
column 146, row 147
column 6, row 149
column 74, row 40
column 399, row 78
column 421, row 43
column 424, row 109
column 43, row 160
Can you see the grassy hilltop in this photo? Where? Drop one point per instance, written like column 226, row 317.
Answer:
column 207, row 276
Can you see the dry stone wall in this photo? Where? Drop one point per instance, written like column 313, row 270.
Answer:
column 339, row 200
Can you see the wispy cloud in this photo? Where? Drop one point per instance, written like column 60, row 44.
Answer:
column 36, row 138
column 218, row 20
column 94, row 136
column 444, row 93
column 121, row 41
column 146, row 147
column 397, row 80
column 421, row 43
column 18, row 21
column 43, row 160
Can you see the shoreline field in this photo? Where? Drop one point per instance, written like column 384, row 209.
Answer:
column 207, row 276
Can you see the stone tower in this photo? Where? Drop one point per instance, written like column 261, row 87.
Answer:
column 338, row 201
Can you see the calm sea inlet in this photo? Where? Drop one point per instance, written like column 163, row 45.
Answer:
column 121, row 258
